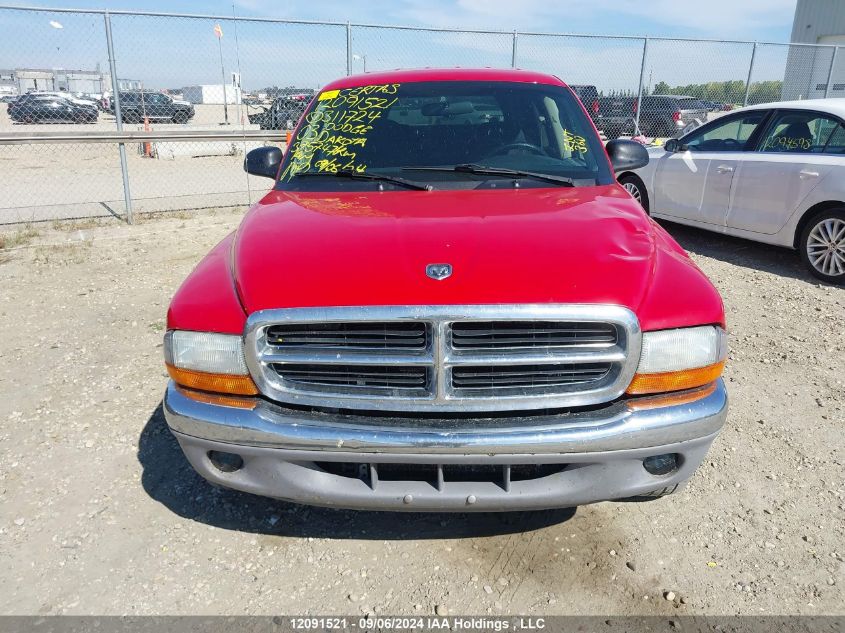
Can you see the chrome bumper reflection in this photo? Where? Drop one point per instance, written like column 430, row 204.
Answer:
column 612, row 428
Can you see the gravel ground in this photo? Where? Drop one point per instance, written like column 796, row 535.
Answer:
column 101, row 514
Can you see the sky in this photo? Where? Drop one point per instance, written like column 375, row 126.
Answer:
column 739, row 19
column 170, row 53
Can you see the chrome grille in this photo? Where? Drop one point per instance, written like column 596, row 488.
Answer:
column 527, row 334
column 444, row 358
column 364, row 336
column 351, row 378
column 526, row 378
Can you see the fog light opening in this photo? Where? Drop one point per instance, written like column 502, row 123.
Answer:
column 226, row 462
column 662, row 464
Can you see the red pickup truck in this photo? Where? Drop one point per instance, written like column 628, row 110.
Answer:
column 446, row 302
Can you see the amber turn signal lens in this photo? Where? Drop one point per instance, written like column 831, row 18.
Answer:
column 674, row 380
column 217, row 383
column 671, row 399
column 224, row 400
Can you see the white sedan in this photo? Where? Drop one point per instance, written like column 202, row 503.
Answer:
column 772, row 173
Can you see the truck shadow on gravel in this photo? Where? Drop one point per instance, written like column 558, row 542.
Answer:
column 169, row 479
column 740, row 252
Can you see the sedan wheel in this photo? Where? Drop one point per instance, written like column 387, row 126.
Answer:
column 823, row 246
column 636, row 188
column 632, row 188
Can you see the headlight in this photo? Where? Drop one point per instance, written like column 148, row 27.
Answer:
column 680, row 359
column 208, row 361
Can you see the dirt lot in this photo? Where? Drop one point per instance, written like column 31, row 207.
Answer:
column 102, row 514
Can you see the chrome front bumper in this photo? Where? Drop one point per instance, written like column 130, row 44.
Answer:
column 603, row 450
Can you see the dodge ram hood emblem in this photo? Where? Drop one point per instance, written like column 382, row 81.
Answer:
column 438, row 271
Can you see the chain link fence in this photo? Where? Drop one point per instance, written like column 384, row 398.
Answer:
column 81, row 87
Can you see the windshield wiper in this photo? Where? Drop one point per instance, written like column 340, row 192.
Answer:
column 471, row 168
column 346, row 173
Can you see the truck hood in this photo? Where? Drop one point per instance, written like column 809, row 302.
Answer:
column 544, row 245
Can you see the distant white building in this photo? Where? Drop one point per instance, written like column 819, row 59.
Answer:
column 808, row 68
column 7, row 83
column 211, row 94
column 23, row 80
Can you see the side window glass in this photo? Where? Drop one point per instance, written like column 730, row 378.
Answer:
column 836, row 142
column 731, row 136
column 799, row 132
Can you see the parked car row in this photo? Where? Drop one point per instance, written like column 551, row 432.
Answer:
column 282, row 114
column 63, row 107
column 51, row 107
column 137, row 105
column 659, row 115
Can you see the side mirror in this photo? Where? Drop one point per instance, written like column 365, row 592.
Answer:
column 625, row 155
column 263, row 161
column 672, row 145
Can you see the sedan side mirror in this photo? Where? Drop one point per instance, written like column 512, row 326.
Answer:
column 626, row 155
column 263, row 161
column 672, row 145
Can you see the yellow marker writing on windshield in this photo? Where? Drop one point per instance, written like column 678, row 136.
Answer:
column 328, row 94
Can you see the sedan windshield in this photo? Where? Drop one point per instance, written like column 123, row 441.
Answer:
column 509, row 133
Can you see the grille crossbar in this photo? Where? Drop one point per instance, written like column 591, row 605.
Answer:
column 491, row 335
column 531, row 376
column 444, row 358
column 355, row 376
column 374, row 336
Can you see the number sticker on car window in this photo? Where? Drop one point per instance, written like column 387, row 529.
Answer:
column 574, row 143
column 339, row 125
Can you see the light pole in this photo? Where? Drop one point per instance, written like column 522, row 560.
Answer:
column 218, row 31
column 362, row 58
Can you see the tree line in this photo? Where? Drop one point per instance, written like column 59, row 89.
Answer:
column 732, row 92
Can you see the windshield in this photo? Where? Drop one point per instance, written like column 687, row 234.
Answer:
column 392, row 129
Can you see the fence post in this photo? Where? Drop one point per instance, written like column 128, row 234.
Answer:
column 640, row 88
column 750, row 73
column 348, row 49
column 829, row 86
column 121, row 148
column 513, row 51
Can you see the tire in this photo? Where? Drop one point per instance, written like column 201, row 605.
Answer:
column 636, row 187
column 822, row 246
column 131, row 117
column 180, row 118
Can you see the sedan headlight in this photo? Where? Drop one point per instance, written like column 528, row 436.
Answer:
column 208, row 361
column 672, row 360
